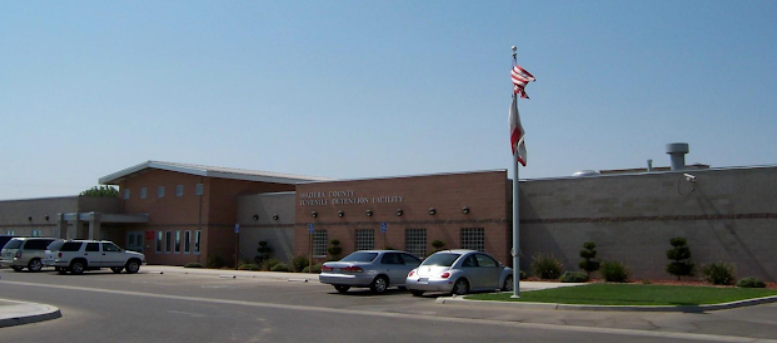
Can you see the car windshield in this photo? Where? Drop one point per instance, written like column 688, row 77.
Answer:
column 360, row 257
column 55, row 245
column 445, row 260
column 13, row 244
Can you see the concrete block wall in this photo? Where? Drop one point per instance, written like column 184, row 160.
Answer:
column 726, row 215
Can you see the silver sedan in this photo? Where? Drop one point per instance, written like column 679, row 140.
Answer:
column 376, row 269
column 459, row 272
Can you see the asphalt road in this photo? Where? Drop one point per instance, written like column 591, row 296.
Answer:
column 103, row 307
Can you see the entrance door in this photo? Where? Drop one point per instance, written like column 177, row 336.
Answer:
column 135, row 241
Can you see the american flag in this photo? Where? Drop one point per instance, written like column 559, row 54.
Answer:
column 521, row 78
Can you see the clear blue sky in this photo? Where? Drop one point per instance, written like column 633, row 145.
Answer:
column 360, row 89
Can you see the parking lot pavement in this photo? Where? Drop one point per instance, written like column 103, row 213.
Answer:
column 17, row 312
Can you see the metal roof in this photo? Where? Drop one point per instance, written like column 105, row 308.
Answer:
column 209, row 171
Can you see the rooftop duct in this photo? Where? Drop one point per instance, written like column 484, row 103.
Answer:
column 677, row 153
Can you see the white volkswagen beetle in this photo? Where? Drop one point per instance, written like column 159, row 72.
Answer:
column 459, row 272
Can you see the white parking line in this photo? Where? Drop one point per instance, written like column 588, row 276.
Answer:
column 468, row 321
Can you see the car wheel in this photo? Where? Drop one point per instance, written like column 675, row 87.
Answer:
column 16, row 268
column 117, row 270
column 34, row 265
column 508, row 285
column 416, row 293
column 342, row 288
column 461, row 287
column 132, row 266
column 379, row 285
column 77, row 268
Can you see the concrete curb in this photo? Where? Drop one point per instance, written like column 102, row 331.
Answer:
column 576, row 307
column 236, row 274
column 26, row 313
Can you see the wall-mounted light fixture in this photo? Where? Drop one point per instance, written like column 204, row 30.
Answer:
column 256, row 217
column 29, row 219
column 340, row 214
column 314, row 214
column 46, row 217
column 432, row 211
column 368, row 213
column 465, row 210
column 275, row 217
column 399, row 212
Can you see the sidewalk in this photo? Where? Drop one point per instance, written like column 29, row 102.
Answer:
column 18, row 313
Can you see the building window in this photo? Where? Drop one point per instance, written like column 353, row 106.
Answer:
column 197, row 238
column 199, row 189
column 365, row 239
column 415, row 242
column 126, row 193
column 179, row 190
column 178, row 242
column 143, row 192
column 160, row 192
column 320, row 241
column 36, row 233
column 168, row 241
column 187, row 242
column 10, row 232
column 473, row 239
column 159, row 238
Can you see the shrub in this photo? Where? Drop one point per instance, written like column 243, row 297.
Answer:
column 523, row 275
column 299, row 262
column 248, row 266
column 264, row 251
column 646, row 282
column 681, row 255
column 615, row 271
column 573, row 277
column 215, row 261
column 316, row 269
column 589, row 264
column 750, row 282
column 269, row 263
column 546, row 266
column 438, row 245
column 280, row 267
column 193, row 265
column 335, row 250
column 719, row 273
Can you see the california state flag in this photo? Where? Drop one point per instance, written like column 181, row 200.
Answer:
column 517, row 133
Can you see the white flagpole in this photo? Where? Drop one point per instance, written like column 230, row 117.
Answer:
column 516, row 251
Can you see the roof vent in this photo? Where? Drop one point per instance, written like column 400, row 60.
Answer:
column 677, row 153
column 583, row 173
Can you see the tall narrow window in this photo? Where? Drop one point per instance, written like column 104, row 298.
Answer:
column 320, row 241
column 168, row 241
column 160, row 192
column 187, row 242
column 199, row 189
column 178, row 242
column 179, row 190
column 365, row 239
column 143, row 192
column 473, row 239
column 10, row 232
column 36, row 233
column 197, row 239
column 159, row 238
column 126, row 193
column 415, row 242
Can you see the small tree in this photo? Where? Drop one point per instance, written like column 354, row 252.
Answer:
column 102, row 191
column 438, row 245
column 264, row 251
column 335, row 250
column 680, row 254
column 589, row 264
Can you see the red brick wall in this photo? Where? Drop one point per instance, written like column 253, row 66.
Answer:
column 484, row 193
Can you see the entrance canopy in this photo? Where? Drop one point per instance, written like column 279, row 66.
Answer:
column 95, row 219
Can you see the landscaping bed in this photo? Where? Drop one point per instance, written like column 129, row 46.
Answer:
column 634, row 294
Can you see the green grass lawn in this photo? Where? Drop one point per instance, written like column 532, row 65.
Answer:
column 627, row 294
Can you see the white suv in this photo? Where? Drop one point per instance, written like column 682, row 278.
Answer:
column 77, row 256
